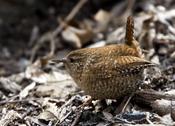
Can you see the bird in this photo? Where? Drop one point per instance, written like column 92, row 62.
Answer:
column 108, row 72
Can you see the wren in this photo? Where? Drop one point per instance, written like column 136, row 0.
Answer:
column 109, row 72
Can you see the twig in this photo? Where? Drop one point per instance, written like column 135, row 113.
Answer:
column 77, row 117
column 51, row 35
column 62, row 119
column 81, row 107
column 127, row 102
column 154, row 95
column 17, row 101
column 148, row 120
column 62, row 107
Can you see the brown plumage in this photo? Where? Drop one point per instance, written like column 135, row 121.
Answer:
column 129, row 37
column 108, row 72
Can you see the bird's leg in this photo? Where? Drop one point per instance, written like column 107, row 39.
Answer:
column 122, row 107
column 126, row 103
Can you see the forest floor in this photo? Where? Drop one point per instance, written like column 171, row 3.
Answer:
column 34, row 92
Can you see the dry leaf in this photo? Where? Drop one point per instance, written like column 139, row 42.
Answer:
column 9, row 85
column 103, row 18
column 77, row 37
column 47, row 116
column 9, row 117
column 35, row 73
column 59, row 89
column 26, row 90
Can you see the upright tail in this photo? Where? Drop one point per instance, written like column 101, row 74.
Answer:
column 130, row 39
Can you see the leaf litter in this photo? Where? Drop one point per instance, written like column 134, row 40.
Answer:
column 38, row 93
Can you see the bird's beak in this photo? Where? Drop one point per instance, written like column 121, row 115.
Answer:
column 63, row 60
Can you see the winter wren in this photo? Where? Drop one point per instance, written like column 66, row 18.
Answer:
column 108, row 72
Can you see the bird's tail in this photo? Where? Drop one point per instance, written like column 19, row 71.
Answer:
column 130, row 39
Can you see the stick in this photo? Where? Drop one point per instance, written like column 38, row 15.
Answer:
column 51, row 35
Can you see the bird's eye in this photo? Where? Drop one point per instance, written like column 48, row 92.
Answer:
column 71, row 59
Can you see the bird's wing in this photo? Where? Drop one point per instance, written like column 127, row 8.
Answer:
column 117, row 66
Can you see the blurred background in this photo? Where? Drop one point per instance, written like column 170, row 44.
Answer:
column 25, row 27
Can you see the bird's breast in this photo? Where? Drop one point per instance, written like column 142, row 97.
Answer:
column 109, row 88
